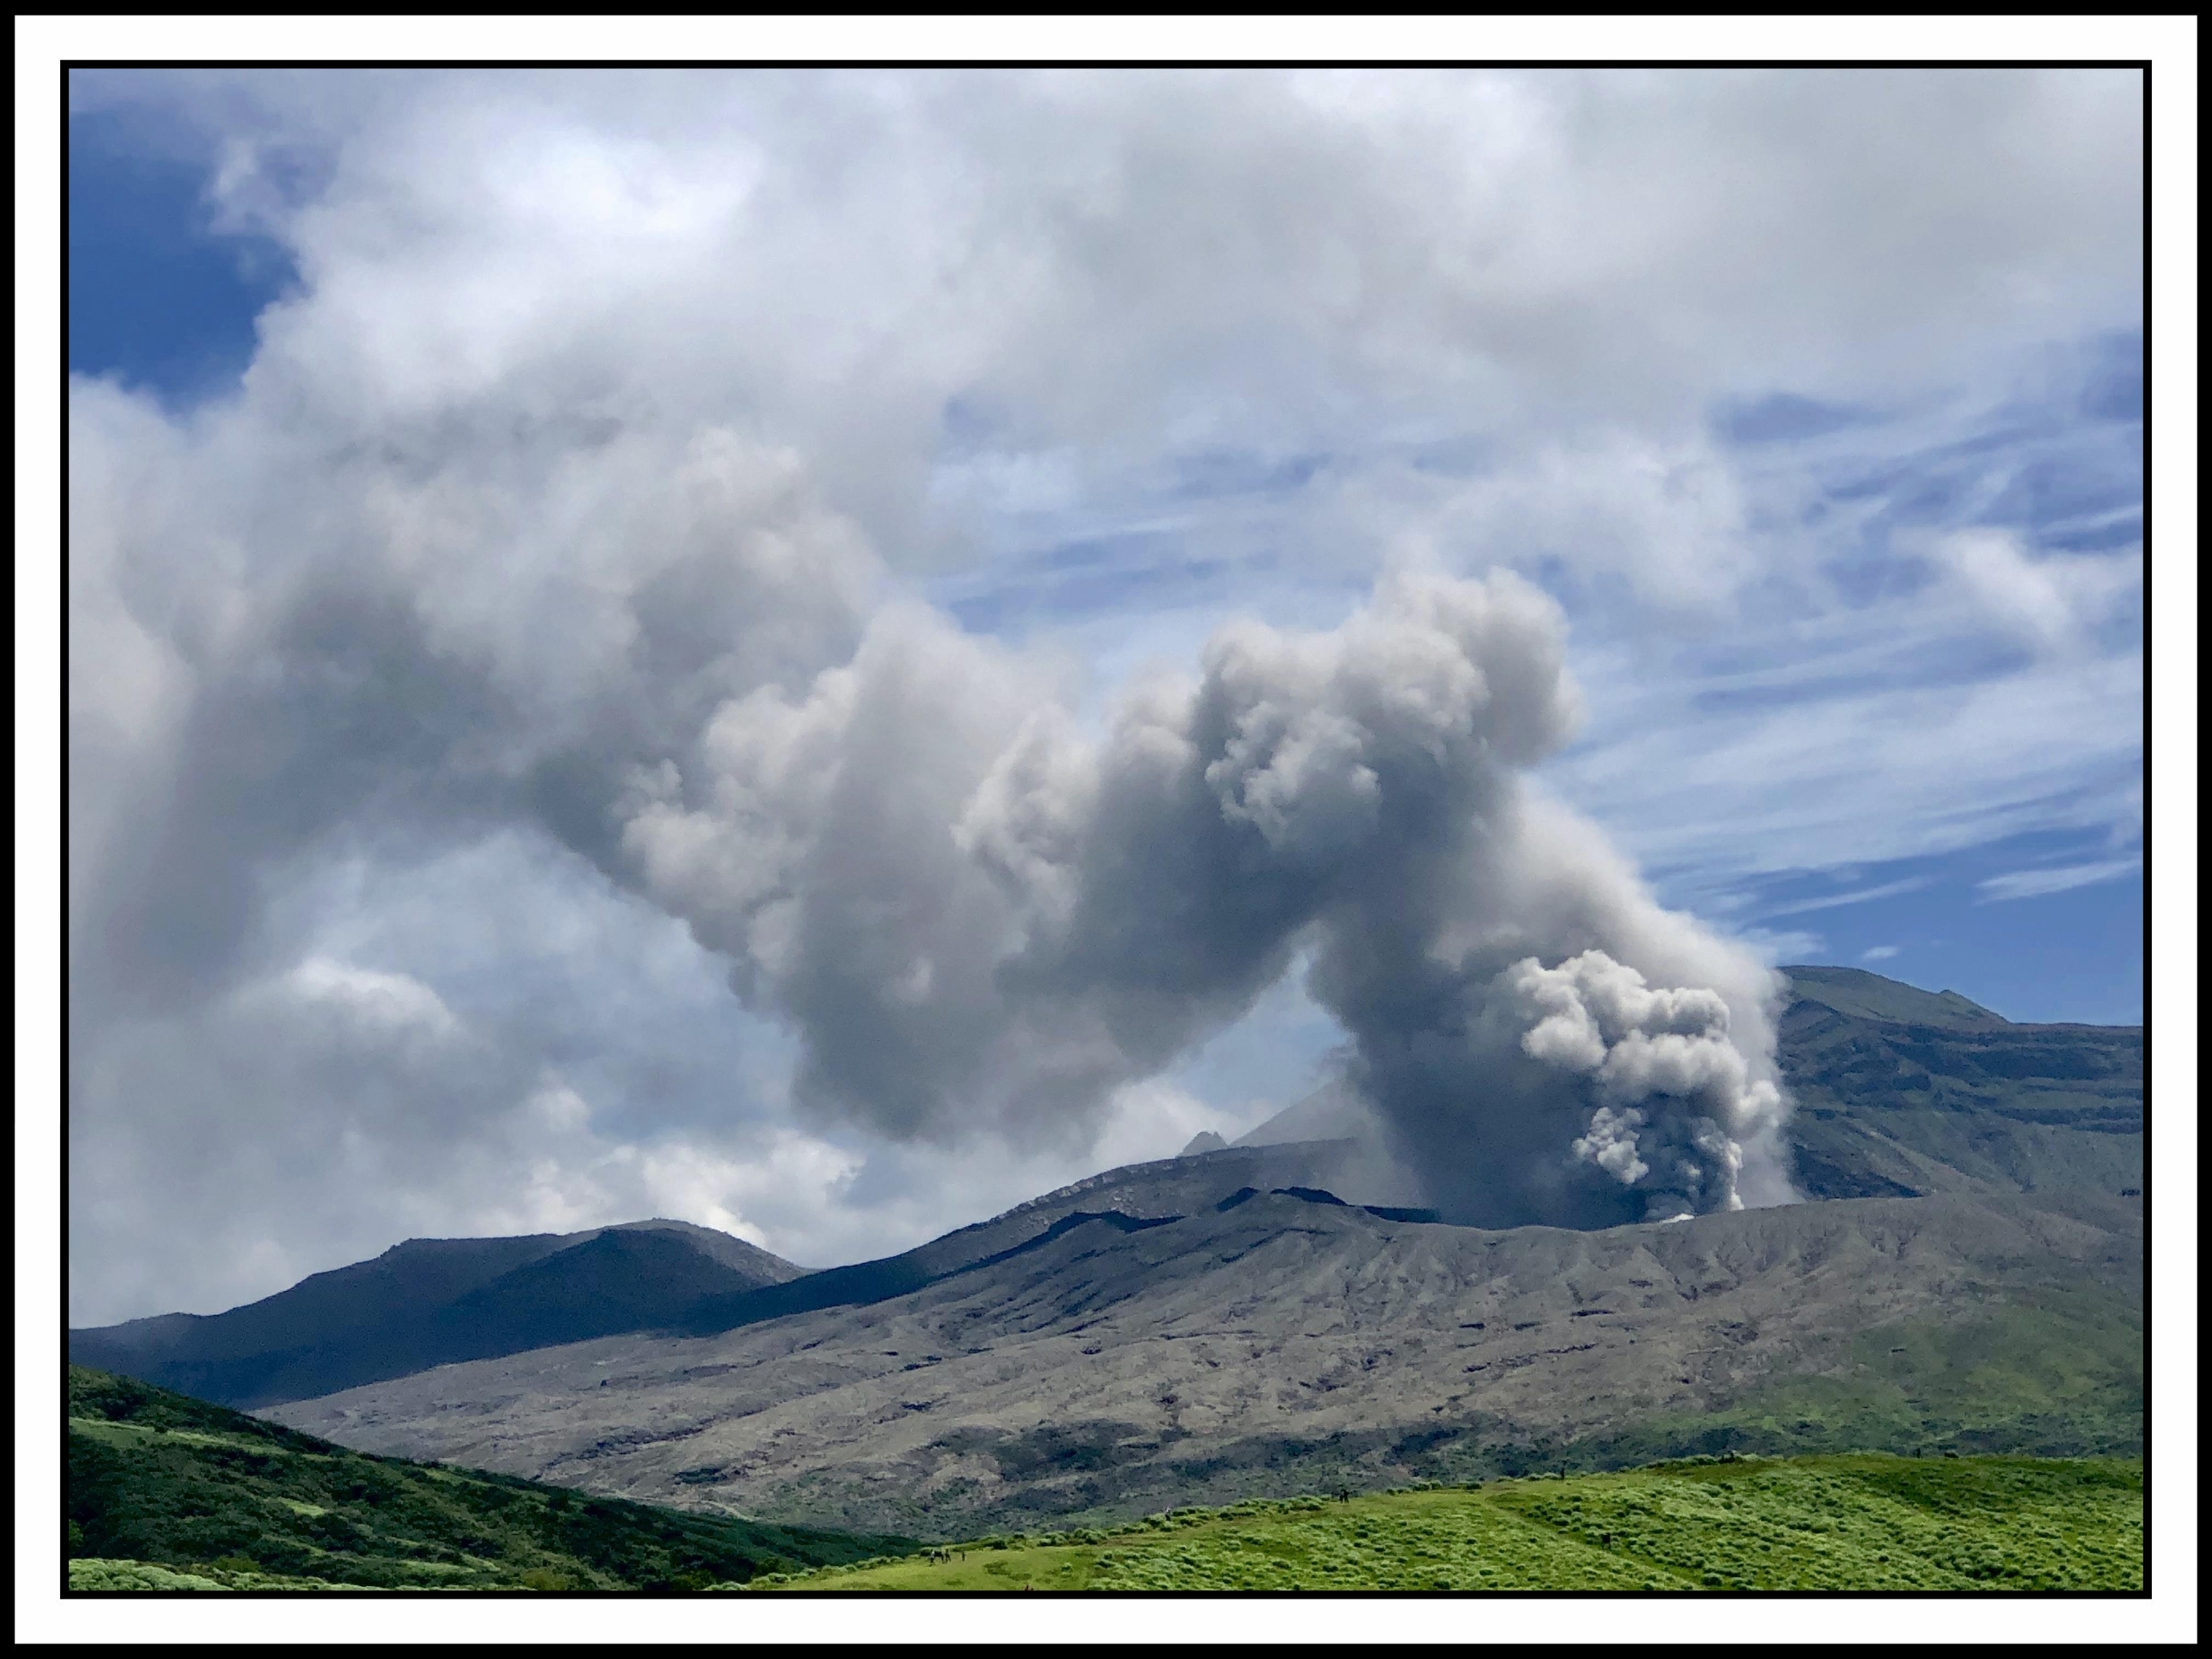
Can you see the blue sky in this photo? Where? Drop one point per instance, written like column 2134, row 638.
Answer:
column 159, row 297
column 2032, row 905
column 1841, row 505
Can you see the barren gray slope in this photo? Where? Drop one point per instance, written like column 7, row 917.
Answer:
column 1104, row 1370
column 1185, row 1185
column 1165, row 1189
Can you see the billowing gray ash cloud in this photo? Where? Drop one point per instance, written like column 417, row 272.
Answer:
column 1358, row 793
column 531, row 587
column 980, row 918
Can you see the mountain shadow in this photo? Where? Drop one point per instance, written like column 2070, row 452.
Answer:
column 431, row 1302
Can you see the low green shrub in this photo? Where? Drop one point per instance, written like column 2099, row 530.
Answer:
column 1849, row 1522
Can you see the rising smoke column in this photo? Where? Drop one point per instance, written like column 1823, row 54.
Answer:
column 1544, row 1042
column 979, row 922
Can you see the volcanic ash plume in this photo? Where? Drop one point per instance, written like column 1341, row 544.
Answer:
column 979, row 920
column 1674, row 1092
column 1544, row 1042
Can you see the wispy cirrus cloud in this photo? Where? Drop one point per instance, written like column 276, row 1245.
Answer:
column 606, row 463
column 1861, row 895
column 2034, row 884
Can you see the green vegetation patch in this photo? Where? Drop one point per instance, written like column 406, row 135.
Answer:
column 2061, row 1379
column 168, row 1493
column 1854, row 1523
column 94, row 1575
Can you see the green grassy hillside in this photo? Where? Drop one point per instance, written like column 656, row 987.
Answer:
column 1851, row 1523
column 168, row 1492
column 2062, row 1380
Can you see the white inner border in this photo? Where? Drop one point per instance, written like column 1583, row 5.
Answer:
column 42, row 43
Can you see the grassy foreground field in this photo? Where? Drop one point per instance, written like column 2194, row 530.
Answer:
column 166, row 1492
column 1846, row 1523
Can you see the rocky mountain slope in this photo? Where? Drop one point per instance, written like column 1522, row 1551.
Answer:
column 1274, row 1343
column 437, row 1301
column 432, row 1300
column 1901, row 1091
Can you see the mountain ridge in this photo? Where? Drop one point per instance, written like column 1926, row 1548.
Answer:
column 1900, row 1092
column 1289, row 1342
column 430, row 1302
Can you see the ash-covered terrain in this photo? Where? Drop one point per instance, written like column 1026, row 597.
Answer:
column 1273, row 1344
column 1283, row 1314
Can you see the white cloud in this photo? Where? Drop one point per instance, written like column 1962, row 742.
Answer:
column 2035, row 883
column 1881, row 767
column 1860, row 895
column 1669, row 518
column 1776, row 947
column 612, row 406
column 2049, row 601
column 1149, row 1120
column 1878, row 953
